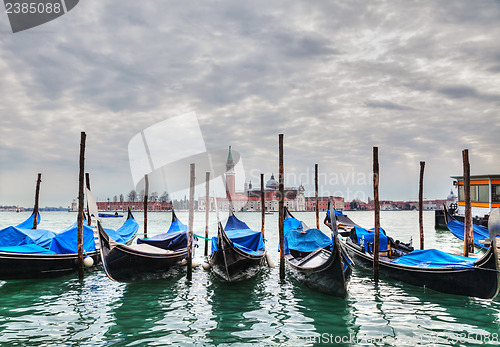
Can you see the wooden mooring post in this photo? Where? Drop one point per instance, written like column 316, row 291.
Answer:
column 146, row 197
column 37, row 197
column 468, row 236
column 281, row 209
column 80, row 206
column 377, row 214
column 316, row 194
column 207, row 210
column 190, row 224
column 262, row 206
column 421, row 204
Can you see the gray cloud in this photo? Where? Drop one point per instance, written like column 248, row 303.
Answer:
column 386, row 104
column 337, row 78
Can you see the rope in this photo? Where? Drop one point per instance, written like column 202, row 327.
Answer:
column 204, row 238
column 480, row 249
column 201, row 237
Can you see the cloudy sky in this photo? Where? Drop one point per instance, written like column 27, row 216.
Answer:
column 418, row 79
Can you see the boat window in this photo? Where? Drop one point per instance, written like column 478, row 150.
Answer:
column 483, row 193
column 473, row 194
column 495, row 193
column 478, row 193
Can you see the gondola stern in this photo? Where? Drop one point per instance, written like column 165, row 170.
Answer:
column 129, row 214
column 174, row 216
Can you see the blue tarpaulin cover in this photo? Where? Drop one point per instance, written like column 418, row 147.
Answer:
column 28, row 248
column 242, row 237
column 28, row 223
column 48, row 242
column 40, row 236
column 171, row 240
column 177, row 225
column 125, row 233
column 368, row 236
column 479, row 232
column 66, row 241
column 435, row 258
column 175, row 238
column 302, row 239
column 337, row 213
column 14, row 236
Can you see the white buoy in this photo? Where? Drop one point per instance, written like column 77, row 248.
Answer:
column 194, row 263
column 205, row 266
column 88, row 262
column 184, row 261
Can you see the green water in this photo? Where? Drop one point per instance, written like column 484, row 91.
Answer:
column 262, row 311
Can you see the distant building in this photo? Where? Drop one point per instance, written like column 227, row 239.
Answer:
column 338, row 203
column 250, row 198
column 134, row 206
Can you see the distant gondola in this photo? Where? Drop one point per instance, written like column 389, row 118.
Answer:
column 316, row 259
column 432, row 268
column 238, row 252
column 156, row 257
column 110, row 215
column 37, row 253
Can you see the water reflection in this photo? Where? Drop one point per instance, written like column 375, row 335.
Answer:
column 142, row 305
column 393, row 312
column 65, row 309
column 237, row 310
column 329, row 319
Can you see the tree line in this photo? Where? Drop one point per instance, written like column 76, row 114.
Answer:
column 134, row 196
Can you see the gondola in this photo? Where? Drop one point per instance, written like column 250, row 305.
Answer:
column 480, row 233
column 432, row 268
column 37, row 253
column 238, row 253
column 315, row 259
column 142, row 261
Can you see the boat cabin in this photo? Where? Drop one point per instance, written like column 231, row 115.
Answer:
column 484, row 194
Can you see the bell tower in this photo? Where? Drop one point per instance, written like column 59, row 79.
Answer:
column 230, row 179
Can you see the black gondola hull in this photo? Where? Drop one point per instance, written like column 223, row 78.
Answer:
column 330, row 277
column 35, row 266
column 125, row 264
column 480, row 282
column 231, row 263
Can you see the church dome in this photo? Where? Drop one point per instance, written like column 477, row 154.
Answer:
column 451, row 196
column 272, row 182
